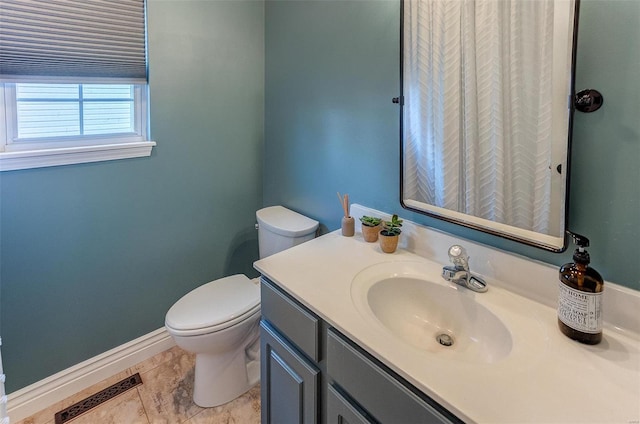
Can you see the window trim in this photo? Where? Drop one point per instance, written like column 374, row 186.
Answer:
column 43, row 153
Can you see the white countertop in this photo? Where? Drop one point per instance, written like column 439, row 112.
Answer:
column 548, row 378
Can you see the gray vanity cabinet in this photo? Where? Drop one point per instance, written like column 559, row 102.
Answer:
column 311, row 373
column 289, row 355
column 341, row 410
column 375, row 389
column 289, row 381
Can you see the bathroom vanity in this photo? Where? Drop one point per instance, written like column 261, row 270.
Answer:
column 309, row 366
column 338, row 342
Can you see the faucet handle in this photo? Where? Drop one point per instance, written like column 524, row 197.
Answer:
column 459, row 257
column 461, row 274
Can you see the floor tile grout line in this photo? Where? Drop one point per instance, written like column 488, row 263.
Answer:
column 196, row 414
column 144, row 408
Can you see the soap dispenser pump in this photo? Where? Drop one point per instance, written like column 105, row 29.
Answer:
column 580, row 296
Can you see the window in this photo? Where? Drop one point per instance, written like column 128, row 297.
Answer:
column 80, row 98
column 56, row 124
column 57, row 115
column 62, row 110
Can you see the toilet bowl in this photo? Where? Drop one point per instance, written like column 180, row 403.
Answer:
column 219, row 320
column 222, row 334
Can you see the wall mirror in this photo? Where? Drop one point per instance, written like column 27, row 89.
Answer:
column 486, row 114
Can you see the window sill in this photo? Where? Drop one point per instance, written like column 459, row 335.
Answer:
column 11, row 161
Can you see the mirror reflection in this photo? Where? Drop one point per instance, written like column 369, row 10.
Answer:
column 486, row 114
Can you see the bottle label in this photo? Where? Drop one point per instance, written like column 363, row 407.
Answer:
column 580, row 310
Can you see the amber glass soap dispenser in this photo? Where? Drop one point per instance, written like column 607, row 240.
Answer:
column 580, row 297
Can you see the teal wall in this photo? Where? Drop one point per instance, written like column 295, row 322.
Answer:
column 94, row 255
column 332, row 69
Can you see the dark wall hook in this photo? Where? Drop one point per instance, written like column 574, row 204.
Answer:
column 588, row 100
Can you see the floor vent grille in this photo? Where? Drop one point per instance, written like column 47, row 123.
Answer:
column 92, row 401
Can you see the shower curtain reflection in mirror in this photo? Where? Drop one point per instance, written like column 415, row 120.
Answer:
column 483, row 108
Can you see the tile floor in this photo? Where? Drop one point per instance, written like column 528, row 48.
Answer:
column 164, row 397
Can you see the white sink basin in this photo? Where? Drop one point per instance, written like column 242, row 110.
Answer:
column 411, row 302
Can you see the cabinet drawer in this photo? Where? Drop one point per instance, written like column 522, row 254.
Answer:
column 300, row 325
column 380, row 394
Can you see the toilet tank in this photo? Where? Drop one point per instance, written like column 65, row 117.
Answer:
column 280, row 228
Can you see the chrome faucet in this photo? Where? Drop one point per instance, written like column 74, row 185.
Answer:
column 459, row 273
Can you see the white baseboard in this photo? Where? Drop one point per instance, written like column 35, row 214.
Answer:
column 53, row 389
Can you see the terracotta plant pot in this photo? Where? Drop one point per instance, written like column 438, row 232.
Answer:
column 389, row 244
column 370, row 234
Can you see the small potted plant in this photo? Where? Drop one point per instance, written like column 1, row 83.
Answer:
column 370, row 228
column 390, row 234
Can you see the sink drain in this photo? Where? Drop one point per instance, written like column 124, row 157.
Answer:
column 444, row 339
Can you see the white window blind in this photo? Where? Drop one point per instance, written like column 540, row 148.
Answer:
column 80, row 40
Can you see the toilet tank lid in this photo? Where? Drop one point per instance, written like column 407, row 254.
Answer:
column 286, row 222
column 214, row 303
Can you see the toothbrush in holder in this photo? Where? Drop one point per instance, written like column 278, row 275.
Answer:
column 348, row 223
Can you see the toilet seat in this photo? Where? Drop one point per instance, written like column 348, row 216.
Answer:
column 214, row 306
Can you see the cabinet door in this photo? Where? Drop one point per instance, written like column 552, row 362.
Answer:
column 289, row 382
column 341, row 411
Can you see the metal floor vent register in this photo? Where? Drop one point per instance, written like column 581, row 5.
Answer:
column 92, row 401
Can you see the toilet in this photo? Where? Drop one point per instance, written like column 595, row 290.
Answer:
column 218, row 321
